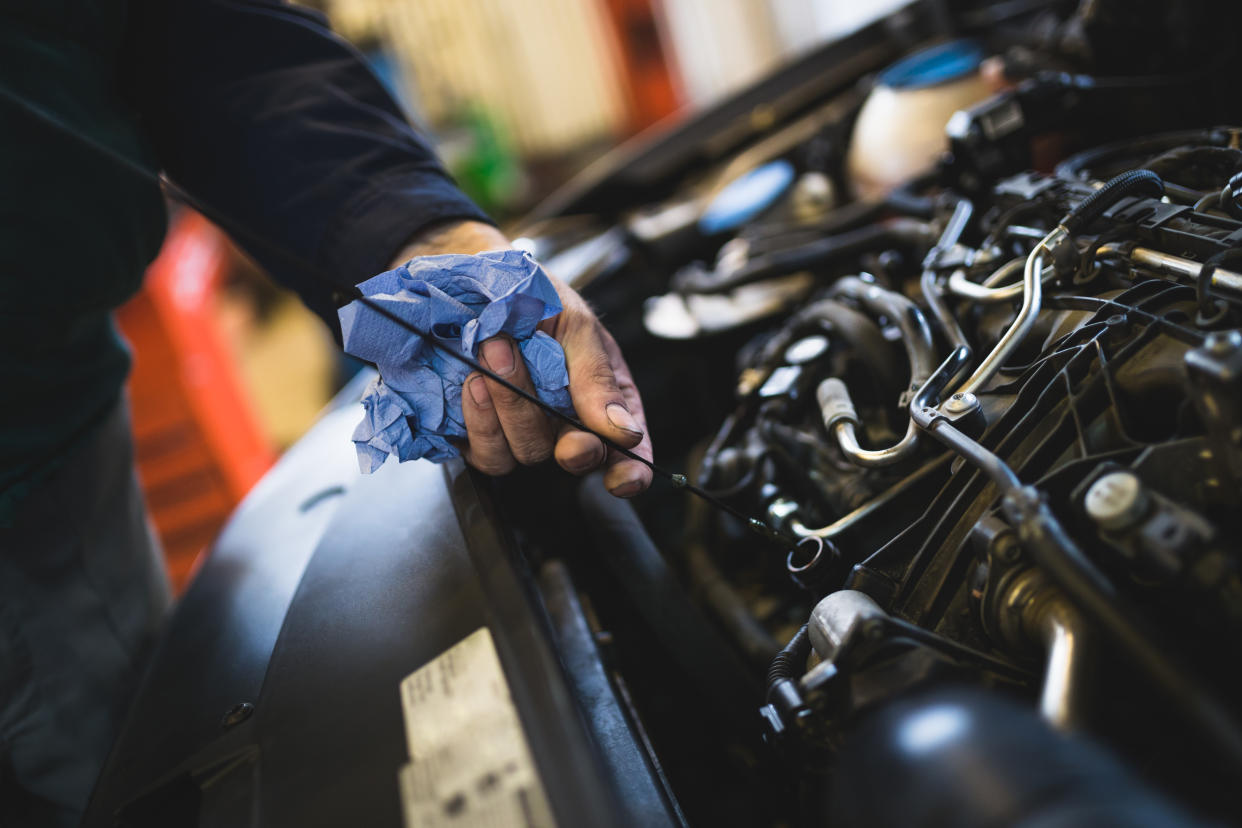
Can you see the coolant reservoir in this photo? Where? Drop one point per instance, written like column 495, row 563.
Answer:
column 899, row 133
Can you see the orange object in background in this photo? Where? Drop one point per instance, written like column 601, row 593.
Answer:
column 650, row 90
column 198, row 444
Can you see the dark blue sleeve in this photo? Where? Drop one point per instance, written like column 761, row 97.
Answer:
column 257, row 108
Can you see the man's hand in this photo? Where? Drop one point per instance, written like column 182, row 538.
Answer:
column 503, row 429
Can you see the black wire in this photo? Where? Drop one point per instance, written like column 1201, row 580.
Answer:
column 239, row 231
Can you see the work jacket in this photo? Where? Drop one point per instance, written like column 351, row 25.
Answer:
column 252, row 106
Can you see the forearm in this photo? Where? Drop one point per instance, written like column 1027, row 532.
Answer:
column 452, row 237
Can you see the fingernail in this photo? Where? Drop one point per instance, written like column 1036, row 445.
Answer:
column 498, row 354
column 622, row 419
column 478, row 392
column 582, row 463
column 628, row 489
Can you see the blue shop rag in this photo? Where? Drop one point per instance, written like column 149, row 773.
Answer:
column 414, row 407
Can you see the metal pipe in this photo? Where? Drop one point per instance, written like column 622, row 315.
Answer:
column 1032, row 299
column 917, row 339
column 1041, row 534
column 1061, row 697
column 986, row 292
column 916, row 335
column 953, row 230
column 1226, row 281
column 847, row 439
column 1033, row 610
column 783, row 511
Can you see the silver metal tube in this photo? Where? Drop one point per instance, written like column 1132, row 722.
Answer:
column 1032, row 300
column 1061, row 694
column 917, row 338
column 916, row 334
column 779, row 512
column 986, row 292
column 1034, row 611
column 1226, row 281
column 956, row 225
column 847, row 439
column 1002, row 274
column 953, row 230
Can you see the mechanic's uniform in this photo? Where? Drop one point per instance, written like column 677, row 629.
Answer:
column 258, row 110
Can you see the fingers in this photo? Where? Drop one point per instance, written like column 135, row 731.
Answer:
column 504, row 429
column 578, row 452
column 594, row 362
column 488, row 450
column 604, row 395
column 525, row 426
column 626, row 477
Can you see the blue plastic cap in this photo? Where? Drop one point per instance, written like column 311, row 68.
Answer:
column 746, row 197
column 939, row 64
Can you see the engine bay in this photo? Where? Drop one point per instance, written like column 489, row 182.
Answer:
column 950, row 312
column 993, row 410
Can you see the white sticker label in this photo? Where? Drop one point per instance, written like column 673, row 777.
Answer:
column 469, row 761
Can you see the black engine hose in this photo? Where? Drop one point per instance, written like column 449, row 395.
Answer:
column 1132, row 183
column 790, row 662
column 855, row 328
column 821, row 253
column 916, row 336
column 729, row 608
column 1198, row 168
column 1080, row 165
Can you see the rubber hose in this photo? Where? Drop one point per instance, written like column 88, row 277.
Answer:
column 790, row 662
column 1080, row 164
column 1132, row 183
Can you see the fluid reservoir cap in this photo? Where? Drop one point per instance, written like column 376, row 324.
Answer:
column 746, row 197
column 1117, row 500
column 946, row 62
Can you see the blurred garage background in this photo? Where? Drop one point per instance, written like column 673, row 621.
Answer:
column 519, row 96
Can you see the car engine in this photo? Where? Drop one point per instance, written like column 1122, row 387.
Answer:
column 994, row 412
column 949, row 312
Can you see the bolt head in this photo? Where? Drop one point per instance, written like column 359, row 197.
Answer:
column 1221, row 343
column 961, row 403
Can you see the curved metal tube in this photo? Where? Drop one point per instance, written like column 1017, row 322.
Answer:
column 986, row 292
column 778, row 511
column 917, row 338
column 847, row 439
column 953, row 230
column 1033, row 610
column 1061, row 696
column 1032, row 299
column 916, row 334
column 948, row 322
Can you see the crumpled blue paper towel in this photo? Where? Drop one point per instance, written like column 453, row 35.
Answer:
column 414, row 406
